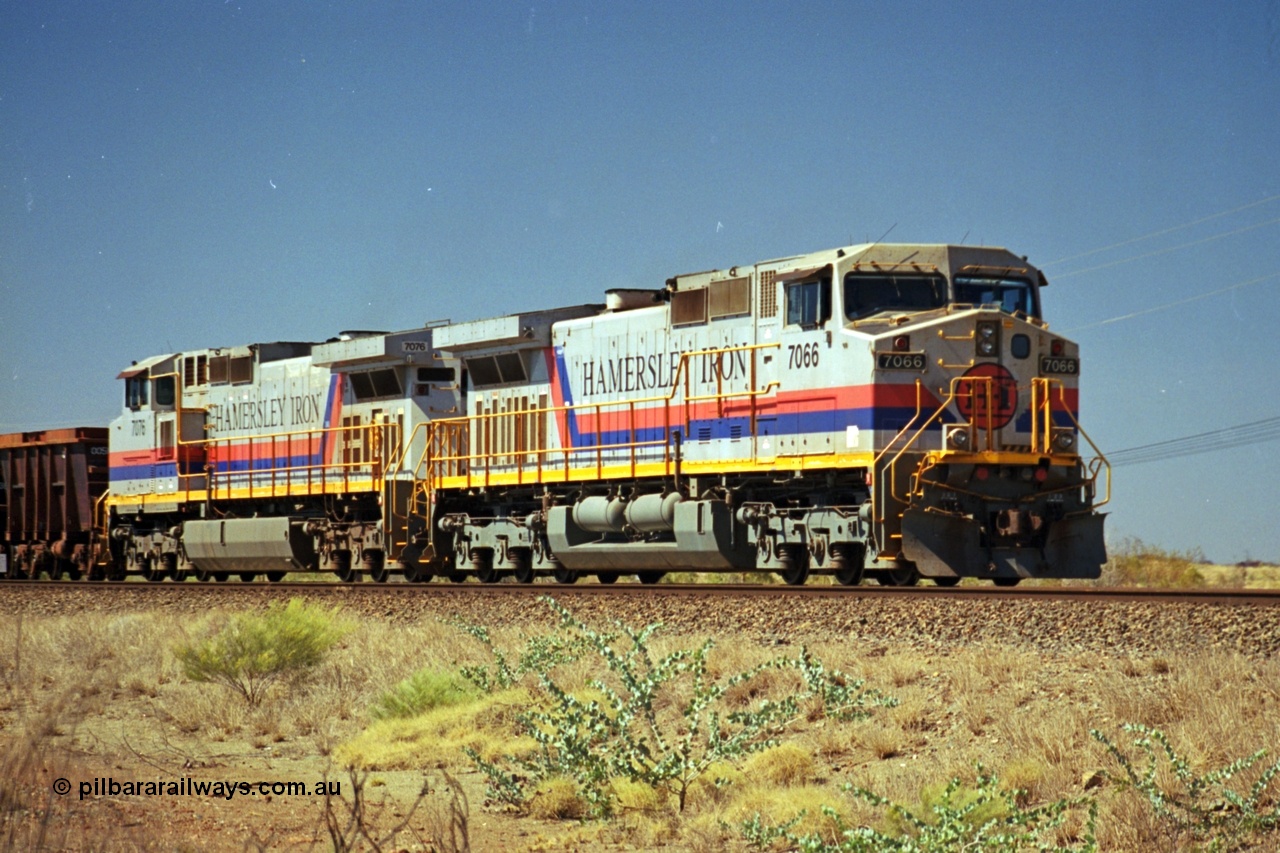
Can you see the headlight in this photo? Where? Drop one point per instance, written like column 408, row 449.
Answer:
column 1064, row 440
column 987, row 338
column 958, row 438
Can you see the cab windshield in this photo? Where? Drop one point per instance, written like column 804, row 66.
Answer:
column 865, row 295
column 1012, row 295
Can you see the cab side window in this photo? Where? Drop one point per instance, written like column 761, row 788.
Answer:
column 135, row 392
column 809, row 303
column 164, row 391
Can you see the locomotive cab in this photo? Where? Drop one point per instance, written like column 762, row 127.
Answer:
column 984, row 477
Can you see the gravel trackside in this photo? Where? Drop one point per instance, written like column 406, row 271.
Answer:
column 927, row 622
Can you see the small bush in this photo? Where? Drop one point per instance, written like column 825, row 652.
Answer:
column 659, row 721
column 421, row 692
column 258, row 650
column 954, row 818
column 1134, row 563
column 1200, row 808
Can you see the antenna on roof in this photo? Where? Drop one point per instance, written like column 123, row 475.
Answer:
column 877, row 242
column 886, row 234
column 965, row 237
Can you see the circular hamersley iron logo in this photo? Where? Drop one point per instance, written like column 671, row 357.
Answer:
column 972, row 395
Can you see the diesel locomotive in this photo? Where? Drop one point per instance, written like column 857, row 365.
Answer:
column 885, row 411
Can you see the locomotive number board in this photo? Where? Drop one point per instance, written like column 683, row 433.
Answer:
column 1058, row 364
column 900, row 360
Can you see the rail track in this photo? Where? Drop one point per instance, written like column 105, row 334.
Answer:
column 1218, row 596
column 1044, row 621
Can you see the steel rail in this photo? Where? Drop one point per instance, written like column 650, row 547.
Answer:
column 1214, row 596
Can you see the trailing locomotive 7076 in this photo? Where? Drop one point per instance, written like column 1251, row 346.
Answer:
column 884, row 411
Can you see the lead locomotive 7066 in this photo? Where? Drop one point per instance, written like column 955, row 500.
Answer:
column 892, row 411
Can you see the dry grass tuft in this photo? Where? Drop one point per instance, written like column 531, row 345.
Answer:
column 556, row 799
column 438, row 737
column 786, row 765
column 883, row 741
column 633, row 796
column 715, row 786
column 780, row 805
column 1026, row 775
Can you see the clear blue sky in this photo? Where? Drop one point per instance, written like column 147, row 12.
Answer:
column 187, row 174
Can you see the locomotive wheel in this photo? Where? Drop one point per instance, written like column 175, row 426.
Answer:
column 55, row 570
column 650, row 578
column 848, row 563
column 248, row 577
column 222, row 577
column 904, row 574
column 276, row 577
column 563, row 575
column 524, row 566
column 1006, row 581
column 152, row 569
column 204, row 575
column 342, row 567
column 375, row 564
column 482, row 565
column 415, row 572
column 607, row 577
column 170, row 564
column 795, row 564
column 946, row 581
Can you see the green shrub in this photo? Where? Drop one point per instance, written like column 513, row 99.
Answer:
column 958, row 818
column 617, row 730
column 422, row 691
column 257, row 650
column 1201, row 808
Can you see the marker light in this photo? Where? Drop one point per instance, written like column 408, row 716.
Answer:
column 1056, row 347
column 902, row 343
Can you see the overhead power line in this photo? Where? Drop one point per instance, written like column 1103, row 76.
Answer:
column 1164, row 231
column 1153, row 309
column 1241, row 435
column 1180, row 246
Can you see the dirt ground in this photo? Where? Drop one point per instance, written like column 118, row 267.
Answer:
column 98, row 701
